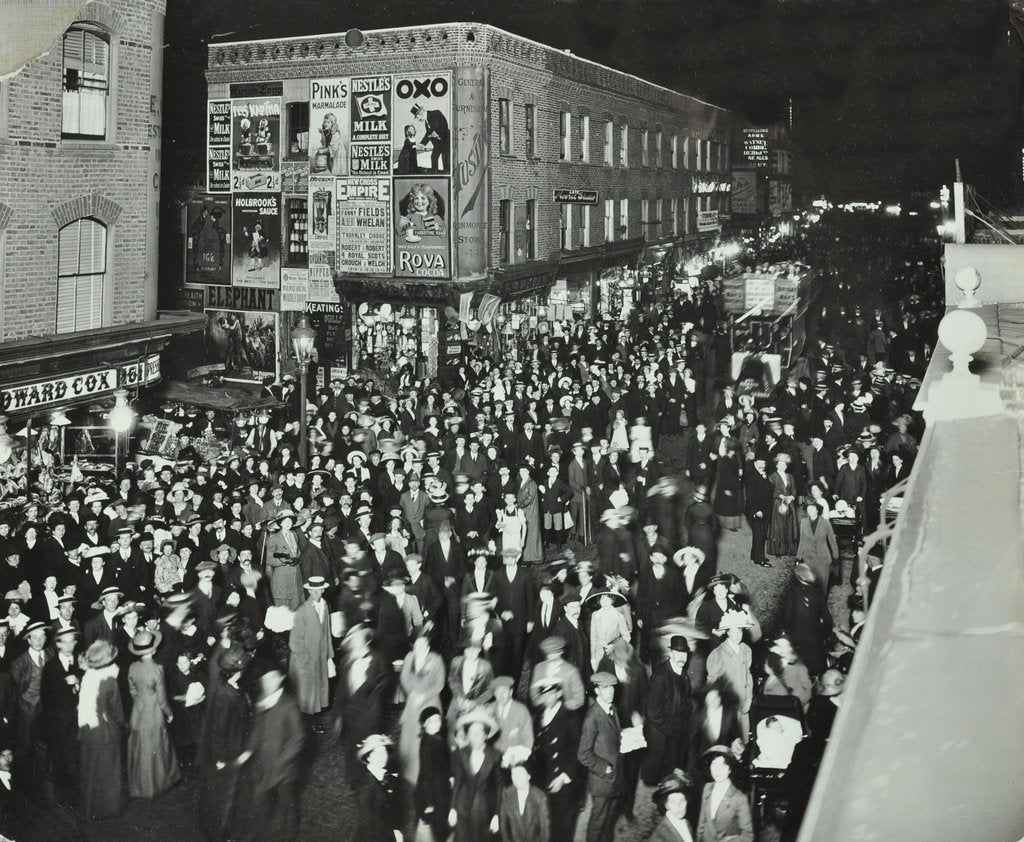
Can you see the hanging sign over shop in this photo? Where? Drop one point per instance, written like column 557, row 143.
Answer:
column 707, row 220
column 566, row 196
column 87, row 384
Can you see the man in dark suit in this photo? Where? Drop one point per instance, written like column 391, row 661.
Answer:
column 569, row 628
column 556, row 743
column 667, row 725
column 105, row 624
column 514, row 591
column 599, row 753
column 275, row 745
column 758, row 509
column 59, row 709
column 436, row 135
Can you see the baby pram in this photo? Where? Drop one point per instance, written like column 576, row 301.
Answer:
column 776, row 727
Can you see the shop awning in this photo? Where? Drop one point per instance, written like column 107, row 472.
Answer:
column 235, row 397
column 40, row 374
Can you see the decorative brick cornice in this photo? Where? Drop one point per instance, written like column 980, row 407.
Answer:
column 94, row 204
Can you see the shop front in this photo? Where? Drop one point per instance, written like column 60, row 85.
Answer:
column 69, row 403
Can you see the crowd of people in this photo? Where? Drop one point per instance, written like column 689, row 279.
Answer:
column 493, row 592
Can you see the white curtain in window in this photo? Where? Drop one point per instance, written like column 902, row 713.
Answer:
column 86, row 82
column 81, row 273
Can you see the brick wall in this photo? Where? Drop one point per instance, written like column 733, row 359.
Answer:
column 523, row 71
column 46, row 181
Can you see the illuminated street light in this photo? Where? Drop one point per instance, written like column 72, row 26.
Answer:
column 303, row 337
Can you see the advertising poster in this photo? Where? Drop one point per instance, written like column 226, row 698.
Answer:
column 242, row 344
column 421, row 226
column 294, row 289
column 218, row 146
column 469, row 172
column 364, row 225
column 208, row 241
column 329, row 127
column 295, row 177
column 744, row 193
column 320, row 284
column 421, row 115
column 370, row 152
column 256, row 252
column 322, row 231
column 256, row 144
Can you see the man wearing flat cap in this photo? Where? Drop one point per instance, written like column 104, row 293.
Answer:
column 599, row 753
column 559, row 770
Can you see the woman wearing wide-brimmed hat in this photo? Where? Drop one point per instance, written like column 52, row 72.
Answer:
column 376, row 790
column 608, row 623
column 152, row 763
column 100, row 724
column 476, row 769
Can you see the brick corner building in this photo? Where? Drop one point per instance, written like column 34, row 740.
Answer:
column 454, row 168
column 79, row 192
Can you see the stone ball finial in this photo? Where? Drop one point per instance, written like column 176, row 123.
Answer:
column 962, row 333
column 967, row 280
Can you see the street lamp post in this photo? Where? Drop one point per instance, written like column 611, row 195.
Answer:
column 303, row 337
column 121, row 417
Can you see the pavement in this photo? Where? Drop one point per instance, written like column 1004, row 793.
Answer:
column 328, row 810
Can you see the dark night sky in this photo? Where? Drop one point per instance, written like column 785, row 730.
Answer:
column 886, row 93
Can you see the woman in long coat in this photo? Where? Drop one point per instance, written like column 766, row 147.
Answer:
column 783, row 529
column 152, row 764
column 100, row 725
column 422, row 680
column 818, row 548
column 728, row 486
column 477, row 773
column 528, row 499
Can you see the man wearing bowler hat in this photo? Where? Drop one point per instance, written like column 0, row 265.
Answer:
column 668, row 714
column 559, row 771
column 599, row 753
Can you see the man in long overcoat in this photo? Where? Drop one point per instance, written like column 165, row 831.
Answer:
column 311, row 651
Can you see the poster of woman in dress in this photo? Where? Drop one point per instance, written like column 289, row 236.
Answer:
column 241, row 343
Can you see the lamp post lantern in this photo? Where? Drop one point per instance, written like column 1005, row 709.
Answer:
column 121, row 418
column 303, row 337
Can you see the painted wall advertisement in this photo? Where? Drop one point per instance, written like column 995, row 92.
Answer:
column 744, row 191
column 256, row 253
column 218, row 146
column 256, row 144
column 329, row 126
column 469, row 172
column 241, row 343
column 422, row 246
column 370, row 152
column 421, row 137
column 208, row 244
column 364, row 225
